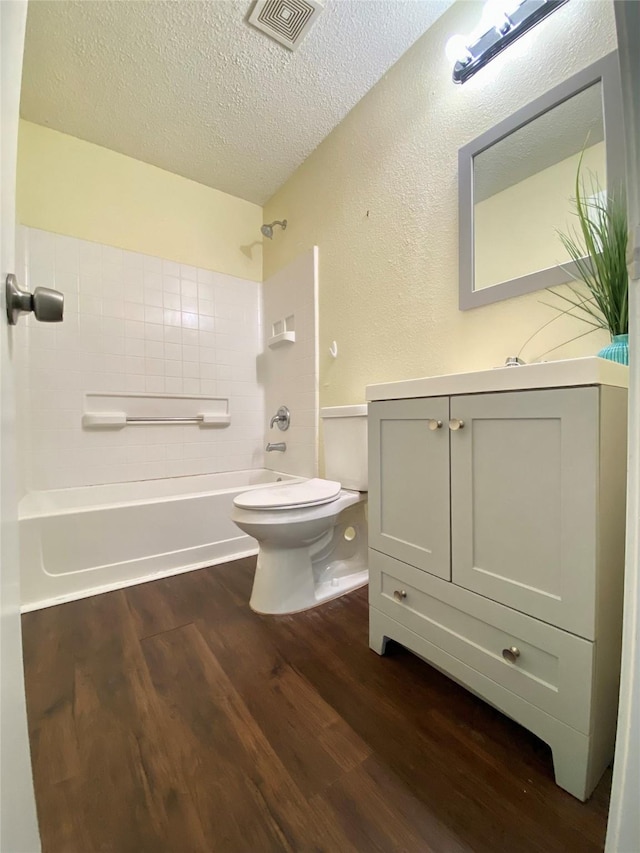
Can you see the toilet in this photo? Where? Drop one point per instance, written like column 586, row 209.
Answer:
column 312, row 535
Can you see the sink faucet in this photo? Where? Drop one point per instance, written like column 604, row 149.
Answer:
column 279, row 445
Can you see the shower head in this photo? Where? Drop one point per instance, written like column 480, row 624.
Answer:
column 267, row 229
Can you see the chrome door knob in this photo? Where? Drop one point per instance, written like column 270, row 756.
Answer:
column 455, row 424
column 511, row 654
column 46, row 304
column 400, row 594
column 434, row 424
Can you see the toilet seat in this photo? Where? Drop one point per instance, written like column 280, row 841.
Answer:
column 312, row 492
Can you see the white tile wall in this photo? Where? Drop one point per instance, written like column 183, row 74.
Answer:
column 143, row 324
column 291, row 370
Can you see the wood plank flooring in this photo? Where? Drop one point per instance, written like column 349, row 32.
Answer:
column 169, row 718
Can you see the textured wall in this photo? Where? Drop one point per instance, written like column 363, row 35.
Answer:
column 379, row 198
column 75, row 188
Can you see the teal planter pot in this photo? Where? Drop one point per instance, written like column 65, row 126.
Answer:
column 617, row 350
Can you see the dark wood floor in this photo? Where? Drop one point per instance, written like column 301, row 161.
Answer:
column 169, row 718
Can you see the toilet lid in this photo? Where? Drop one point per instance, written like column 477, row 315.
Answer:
column 309, row 493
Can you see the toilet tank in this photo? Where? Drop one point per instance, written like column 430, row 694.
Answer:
column 345, row 446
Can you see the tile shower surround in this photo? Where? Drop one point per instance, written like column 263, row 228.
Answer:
column 134, row 323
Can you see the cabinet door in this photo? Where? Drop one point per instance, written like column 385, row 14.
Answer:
column 524, row 476
column 409, row 513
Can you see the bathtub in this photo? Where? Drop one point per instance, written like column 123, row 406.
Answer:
column 83, row 541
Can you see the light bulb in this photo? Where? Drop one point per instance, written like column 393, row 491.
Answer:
column 457, row 51
column 495, row 14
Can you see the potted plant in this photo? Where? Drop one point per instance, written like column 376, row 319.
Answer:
column 598, row 248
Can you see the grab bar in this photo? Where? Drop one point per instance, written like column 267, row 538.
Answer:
column 196, row 419
column 118, row 420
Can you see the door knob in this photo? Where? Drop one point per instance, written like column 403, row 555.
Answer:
column 399, row 594
column 46, row 304
column 456, row 423
column 434, row 424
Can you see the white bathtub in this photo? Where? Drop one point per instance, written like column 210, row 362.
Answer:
column 83, row 541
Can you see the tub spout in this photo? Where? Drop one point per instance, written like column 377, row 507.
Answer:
column 279, row 445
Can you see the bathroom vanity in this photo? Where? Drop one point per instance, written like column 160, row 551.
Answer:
column 496, row 537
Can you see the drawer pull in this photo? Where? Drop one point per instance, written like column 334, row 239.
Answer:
column 400, row 594
column 511, row 654
column 434, row 424
column 455, row 424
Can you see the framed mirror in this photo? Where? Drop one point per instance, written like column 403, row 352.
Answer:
column 517, row 183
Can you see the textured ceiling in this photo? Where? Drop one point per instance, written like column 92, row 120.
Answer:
column 188, row 86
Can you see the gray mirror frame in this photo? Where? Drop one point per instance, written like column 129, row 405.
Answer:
column 606, row 71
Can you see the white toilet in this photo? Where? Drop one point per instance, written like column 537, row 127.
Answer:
column 312, row 535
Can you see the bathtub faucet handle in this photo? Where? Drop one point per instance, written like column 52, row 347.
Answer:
column 282, row 417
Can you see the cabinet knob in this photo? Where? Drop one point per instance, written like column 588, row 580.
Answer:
column 400, row 594
column 511, row 654
column 434, row 424
column 456, row 423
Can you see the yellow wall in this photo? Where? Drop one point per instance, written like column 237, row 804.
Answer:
column 516, row 230
column 73, row 187
column 379, row 198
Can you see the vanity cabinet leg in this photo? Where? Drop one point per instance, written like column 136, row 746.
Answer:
column 571, row 760
column 377, row 639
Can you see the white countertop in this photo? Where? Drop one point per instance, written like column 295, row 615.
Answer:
column 550, row 374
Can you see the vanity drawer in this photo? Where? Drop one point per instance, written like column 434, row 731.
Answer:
column 548, row 667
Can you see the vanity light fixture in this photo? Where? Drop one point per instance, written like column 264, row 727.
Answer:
column 502, row 22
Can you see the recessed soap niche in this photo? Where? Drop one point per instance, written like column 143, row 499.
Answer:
column 283, row 332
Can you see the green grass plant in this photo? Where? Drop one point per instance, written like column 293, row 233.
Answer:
column 597, row 245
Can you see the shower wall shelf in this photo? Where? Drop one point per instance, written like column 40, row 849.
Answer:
column 115, row 411
column 283, row 332
column 282, row 338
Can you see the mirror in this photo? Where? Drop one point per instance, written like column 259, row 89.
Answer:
column 523, row 185
column 517, row 182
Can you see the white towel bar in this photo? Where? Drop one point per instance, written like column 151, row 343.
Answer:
column 113, row 410
column 117, row 420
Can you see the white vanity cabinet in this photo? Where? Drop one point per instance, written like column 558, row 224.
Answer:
column 496, row 532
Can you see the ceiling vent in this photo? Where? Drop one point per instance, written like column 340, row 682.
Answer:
column 286, row 21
